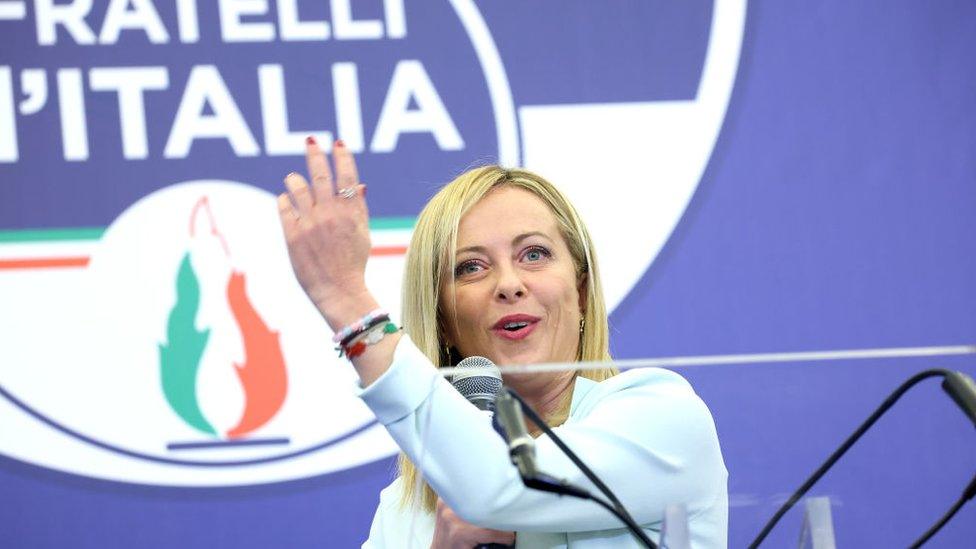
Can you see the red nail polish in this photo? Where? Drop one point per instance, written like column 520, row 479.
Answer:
column 310, row 140
column 339, row 143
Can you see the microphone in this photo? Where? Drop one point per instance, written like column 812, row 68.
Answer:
column 478, row 380
column 521, row 445
column 962, row 389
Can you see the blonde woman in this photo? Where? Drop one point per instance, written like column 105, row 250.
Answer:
column 500, row 266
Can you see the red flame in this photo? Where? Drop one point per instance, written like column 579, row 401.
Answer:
column 263, row 372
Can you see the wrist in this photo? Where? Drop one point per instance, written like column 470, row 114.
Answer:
column 342, row 310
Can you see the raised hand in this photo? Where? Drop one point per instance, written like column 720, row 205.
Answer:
column 326, row 226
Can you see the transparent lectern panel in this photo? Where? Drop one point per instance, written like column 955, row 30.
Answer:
column 674, row 530
column 818, row 525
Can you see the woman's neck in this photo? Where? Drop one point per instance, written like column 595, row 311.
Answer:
column 544, row 393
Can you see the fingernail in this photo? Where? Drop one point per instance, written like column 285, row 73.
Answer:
column 289, row 175
column 310, row 140
column 364, row 190
column 339, row 143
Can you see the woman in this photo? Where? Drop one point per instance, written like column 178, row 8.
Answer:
column 500, row 266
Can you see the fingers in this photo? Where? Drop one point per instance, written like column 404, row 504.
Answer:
column 318, row 170
column 324, row 187
column 451, row 531
column 286, row 210
column 346, row 173
column 301, row 195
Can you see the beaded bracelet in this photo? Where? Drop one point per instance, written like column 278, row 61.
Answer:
column 359, row 326
column 378, row 321
column 371, row 337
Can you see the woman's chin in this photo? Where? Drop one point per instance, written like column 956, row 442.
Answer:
column 508, row 358
column 520, row 381
column 526, row 358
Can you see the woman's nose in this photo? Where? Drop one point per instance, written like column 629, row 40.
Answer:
column 510, row 285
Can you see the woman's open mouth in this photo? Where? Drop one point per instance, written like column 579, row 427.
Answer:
column 515, row 327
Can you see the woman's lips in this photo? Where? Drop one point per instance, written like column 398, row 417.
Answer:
column 515, row 335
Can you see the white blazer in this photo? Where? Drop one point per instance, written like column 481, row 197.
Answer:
column 645, row 433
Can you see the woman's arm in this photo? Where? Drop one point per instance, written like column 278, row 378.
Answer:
column 328, row 244
column 645, row 433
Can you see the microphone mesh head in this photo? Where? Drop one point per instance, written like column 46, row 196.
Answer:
column 478, row 380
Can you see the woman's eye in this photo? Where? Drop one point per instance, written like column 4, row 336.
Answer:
column 467, row 267
column 536, row 254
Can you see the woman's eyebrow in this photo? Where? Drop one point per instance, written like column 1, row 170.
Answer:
column 479, row 249
column 523, row 236
column 516, row 240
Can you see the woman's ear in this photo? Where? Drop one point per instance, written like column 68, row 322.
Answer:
column 582, row 289
column 443, row 333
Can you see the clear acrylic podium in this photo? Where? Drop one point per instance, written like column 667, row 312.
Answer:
column 817, row 531
column 674, row 529
column 818, row 525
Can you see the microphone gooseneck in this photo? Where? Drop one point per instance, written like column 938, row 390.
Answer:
column 521, row 445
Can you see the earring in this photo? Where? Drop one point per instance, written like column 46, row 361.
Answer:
column 579, row 346
column 447, row 354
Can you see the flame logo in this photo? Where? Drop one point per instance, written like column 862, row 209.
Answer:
column 262, row 375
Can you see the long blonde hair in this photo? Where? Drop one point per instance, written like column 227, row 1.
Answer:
column 430, row 259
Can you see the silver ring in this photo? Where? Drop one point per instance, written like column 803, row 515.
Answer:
column 348, row 192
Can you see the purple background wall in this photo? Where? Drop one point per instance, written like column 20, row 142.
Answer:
column 837, row 211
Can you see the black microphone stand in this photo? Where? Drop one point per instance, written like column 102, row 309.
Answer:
column 962, row 390
column 547, row 483
column 967, row 495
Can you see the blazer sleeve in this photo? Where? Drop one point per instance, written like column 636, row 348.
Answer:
column 645, row 433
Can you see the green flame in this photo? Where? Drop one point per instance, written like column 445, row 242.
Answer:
column 179, row 358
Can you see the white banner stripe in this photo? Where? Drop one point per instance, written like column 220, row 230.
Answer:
column 13, row 10
column 716, row 360
column 72, row 248
column 41, row 250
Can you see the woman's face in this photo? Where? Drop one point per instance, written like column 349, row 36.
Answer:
column 516, row 298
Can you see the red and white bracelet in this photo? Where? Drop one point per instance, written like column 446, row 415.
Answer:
column 371, row 336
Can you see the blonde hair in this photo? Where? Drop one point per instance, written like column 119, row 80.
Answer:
column 430, row 259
